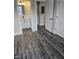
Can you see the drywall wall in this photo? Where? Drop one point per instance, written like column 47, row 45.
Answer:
column 56, row 24
column 59, row 18
column 49, row 15
column 17, row 26
column 33, row 15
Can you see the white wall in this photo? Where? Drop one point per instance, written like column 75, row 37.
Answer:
column 59, row 18
column 17, row 26
column 57, row 24
column 34, row 15
column 49, row 14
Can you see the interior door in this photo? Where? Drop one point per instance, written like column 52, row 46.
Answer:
column 49, row 15
column 42, row 13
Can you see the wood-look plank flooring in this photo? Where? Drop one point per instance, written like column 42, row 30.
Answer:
column 37, row 45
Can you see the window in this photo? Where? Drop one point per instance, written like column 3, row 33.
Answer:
column 42, row 9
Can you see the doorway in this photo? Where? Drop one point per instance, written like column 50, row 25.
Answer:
column 41, row 10
column 24, row 13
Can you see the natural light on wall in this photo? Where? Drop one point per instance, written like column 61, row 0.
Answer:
column 21, row 2
column 27, row 6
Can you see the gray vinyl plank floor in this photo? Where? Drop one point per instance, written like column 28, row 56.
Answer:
column 37, row 45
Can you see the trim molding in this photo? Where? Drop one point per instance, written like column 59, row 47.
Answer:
column 54, row 34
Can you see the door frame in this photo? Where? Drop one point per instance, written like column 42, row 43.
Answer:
column 39, row 11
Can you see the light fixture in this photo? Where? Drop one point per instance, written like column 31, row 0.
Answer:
column 21, row 3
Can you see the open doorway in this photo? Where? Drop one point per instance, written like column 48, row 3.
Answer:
column 24, row 13
column 41, row 13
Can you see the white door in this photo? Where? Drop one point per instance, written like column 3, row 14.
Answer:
column 42, row 7
column 49, row 15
